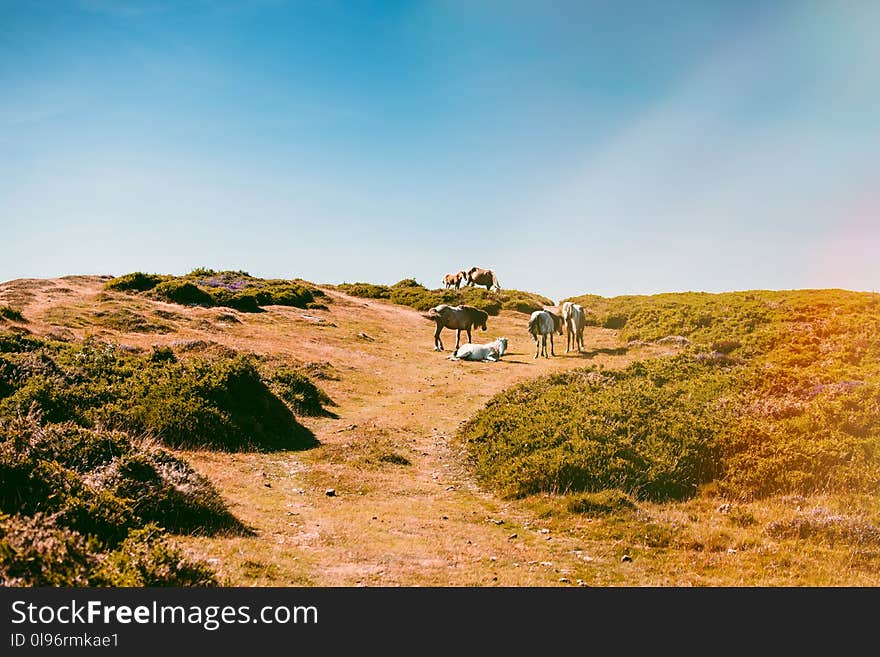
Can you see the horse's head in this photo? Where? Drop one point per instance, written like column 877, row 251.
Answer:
column 502, row 346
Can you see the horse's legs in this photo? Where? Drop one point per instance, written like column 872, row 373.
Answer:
column 551, row 346
column 438, row 343
column 537, row 344
column 457, row 337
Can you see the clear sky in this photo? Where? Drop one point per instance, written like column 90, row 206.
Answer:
column 608, row 147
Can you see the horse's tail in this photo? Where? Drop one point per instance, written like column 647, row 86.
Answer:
column 495, row 282
column 532, row 320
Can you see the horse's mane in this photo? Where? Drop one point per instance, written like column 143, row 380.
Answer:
column 479, row 316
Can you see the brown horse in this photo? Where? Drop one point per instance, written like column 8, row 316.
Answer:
column 460, row 318
column 487, row 277
column 454, row 280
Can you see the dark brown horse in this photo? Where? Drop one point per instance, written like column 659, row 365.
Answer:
column 460, row 318
column 487, row 277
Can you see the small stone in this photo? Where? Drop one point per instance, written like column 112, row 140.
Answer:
column 731, row 550
column 724, row 508
column 564, row 580
column 547, row 563
column 493, row 558
column 331, row 492
column 445, row 517
column 543, row 531
column 267, row 485
column 626, row 558
column 512, row 536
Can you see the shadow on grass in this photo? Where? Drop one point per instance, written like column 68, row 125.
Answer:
column 608, row 351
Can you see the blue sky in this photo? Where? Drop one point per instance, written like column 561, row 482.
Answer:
column 590, row 146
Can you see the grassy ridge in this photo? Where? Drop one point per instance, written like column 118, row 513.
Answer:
column 408, row 292
column 233, row 289
column 779, row 392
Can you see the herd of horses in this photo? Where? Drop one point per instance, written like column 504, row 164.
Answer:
column 542, row 323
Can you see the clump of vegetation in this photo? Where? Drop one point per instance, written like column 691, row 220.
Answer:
column 217, row 401
column 408, row 292
column 795, row 412
column 11, row 314
column 232, row 289
column 36, row 551
column 75, row 499
column 298, row 390
column 136, row 282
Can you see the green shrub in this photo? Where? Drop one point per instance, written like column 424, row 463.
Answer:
column 183, row 292
column 146, row 558
column 795, row 411
column 13, row 315
column 135, row 282
column 366, row 290
column 233, row 289
column 298, row 390
column 218, row 400
column 646, row 430
column 34, row 551
column 101, row 483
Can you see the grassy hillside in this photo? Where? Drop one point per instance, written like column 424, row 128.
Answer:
column 233, row 289
column 777, row 393
column 89, row 496
column 408, row 292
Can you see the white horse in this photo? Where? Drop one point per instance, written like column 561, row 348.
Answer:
column 488, row 353
column 544, row 323
column 575, row 319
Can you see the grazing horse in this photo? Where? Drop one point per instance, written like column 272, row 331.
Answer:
column 487, row 277
column 460, row 318
column 454, row 280
column 575, row 320
column 488, row 353
column 544, row 323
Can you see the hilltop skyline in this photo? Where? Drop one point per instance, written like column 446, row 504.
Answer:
column 607, row 148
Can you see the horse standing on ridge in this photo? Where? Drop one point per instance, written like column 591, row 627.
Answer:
column 487, row 277
column 460, row 318
column 454, row 280
column 544, row 323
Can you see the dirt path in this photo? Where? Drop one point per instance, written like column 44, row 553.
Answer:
column 405, row 510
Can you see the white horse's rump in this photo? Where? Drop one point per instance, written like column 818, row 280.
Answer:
column 489, row 352
column 543, row 323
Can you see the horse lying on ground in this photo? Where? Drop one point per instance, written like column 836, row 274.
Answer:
column 488, row 353
column 575, row 319
column 487, row 277
column 454, row 280
column 460, row 318
column 544, row 323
